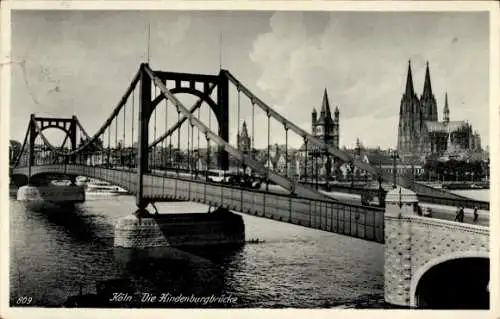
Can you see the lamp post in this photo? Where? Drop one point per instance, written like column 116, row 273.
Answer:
column 351, row 166
column 328, row 169
column 395, row 157
column 315, row 154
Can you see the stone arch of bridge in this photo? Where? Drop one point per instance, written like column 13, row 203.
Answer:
column 437, row 261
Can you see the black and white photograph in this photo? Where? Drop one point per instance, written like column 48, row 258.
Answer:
column 237, row 158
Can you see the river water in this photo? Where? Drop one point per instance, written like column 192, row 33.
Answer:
column 57, row 255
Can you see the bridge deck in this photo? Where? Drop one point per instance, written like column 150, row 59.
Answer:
column 352, row 220
column 347, row 217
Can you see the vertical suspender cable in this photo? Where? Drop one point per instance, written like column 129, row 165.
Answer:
column 198, row 157
column 268, row 150
column 286, row 151
column 170, row 151
column 238, row 132
column 164, row 150
column 124, row 143
column 109, row 145
column 178, row 141
column 153, row 150
column 305, row 162
column 192, row 150
column 188, row 157
column 132, row 154
column 165, row 140
column 253, row 127
column 209, row 151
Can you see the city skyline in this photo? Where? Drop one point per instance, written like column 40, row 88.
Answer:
column 286, row 58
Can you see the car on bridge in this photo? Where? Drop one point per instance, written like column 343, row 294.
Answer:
column 233, row 178
column 368, row 199
column 244, row 180
column 218, row 176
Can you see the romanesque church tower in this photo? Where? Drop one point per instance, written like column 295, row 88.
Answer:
column 244, row 141
column 325, row 127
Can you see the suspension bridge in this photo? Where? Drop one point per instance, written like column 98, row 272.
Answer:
column 127, row 151
column 154, row 175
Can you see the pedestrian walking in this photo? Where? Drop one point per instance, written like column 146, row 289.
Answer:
column 475, row 214
column 457, row 214
column 462, row 214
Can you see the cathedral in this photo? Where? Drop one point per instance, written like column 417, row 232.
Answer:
column 421, row 135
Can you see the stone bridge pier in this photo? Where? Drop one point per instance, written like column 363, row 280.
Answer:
column 432, row 263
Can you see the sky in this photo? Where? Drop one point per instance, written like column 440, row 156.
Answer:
column 81, row 62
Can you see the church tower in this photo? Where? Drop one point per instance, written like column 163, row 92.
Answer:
column 427, row 99
column 324, row 126
column 410, row 119
column 244, row 141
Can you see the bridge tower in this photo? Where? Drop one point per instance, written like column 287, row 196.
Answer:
column 39, row 124
column 176, row 83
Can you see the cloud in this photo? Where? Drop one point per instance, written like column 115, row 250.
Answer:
column 361, row 58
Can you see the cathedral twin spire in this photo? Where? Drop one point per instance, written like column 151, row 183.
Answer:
column 427, row 84
column 427, row 100
column 409, row 92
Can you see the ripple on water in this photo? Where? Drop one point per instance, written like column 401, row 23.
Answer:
column 294, row 266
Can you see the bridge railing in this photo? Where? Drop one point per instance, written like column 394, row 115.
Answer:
column 439, row 200
column 481, row 205
column 352, row 220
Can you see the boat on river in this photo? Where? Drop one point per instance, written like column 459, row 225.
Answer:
column 98, row 188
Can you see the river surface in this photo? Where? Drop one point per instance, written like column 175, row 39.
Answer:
column 57, row 255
